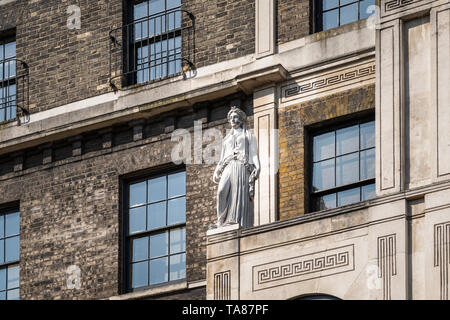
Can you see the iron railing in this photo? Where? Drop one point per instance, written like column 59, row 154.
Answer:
column 152, row 48
column 14, row 90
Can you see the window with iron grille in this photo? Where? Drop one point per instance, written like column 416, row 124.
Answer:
column 9, row 254
column 8, row 83
column 343, row 165
column 155, row 40
column 156, row 230
column 333, row 13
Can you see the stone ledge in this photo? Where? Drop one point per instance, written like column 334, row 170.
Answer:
column 170, row 288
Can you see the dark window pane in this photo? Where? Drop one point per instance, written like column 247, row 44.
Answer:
column 347, row 169
column 9, row 69
column 177, row 184
column 13, row 294
column 1, row 51
column 344, row 2
column 323, row 175
column 156, row 215
column 177, row 211
column 367, row 164
column 329, row 4
column 326, row 202
column 139, row 274
column 177, row 240
column 156, row 6
column 323, row 146
column 2, row 279
column 13, row 277
column 2, row 226
column 3, row 295
column 12, row 224
column 2, row 251
column 12, row 250
column 178, row 267
column 141, row 30
column 140, row 249
column 330, row 19
column 137, row 220
column 10, row 50
column 365, row 10
column 349, row 14
column 138, row 194
column 347, row 140
column 348, row 197
column 140, row 10
column 142, row 64
column 367, row 135
column 157, row 189
column 159, row 245
column 159, row 270
column 173, row 4
column 368, row 192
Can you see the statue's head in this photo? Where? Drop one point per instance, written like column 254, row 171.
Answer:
column 236, row 117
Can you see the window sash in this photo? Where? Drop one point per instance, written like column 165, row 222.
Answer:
column 148, row 233
column 360, row 183
column 6, row 266
column 319, row 12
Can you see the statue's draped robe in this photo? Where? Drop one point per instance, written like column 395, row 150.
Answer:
column 233, row 199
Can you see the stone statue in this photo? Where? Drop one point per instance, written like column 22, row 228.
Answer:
column 237, row 169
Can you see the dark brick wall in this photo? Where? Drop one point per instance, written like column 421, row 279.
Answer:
column 70, row 204
column 293, row 20
column 225, row 29
column 65, row 65
column 294, row 122
column 71, row 65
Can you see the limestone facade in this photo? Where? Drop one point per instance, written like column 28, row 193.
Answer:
column 67, row 168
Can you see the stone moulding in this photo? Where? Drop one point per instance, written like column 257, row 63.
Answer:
column 305, row 267
column 442, row 255
column 328, row 82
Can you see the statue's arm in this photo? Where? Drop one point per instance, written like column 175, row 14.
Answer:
column 254, row 156
column 219, row 165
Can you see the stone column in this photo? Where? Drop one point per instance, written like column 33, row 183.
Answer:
column 440, row 94
column 265, row 26
column 388, row 108
column 265, row 126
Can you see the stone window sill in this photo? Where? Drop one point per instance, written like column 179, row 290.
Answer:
column 169, row 288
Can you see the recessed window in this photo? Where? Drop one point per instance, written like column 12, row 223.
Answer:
column 8, row 83
column 156, row 235
column 156, row 40
column 343, row 166
column 9, row 254
column 334, row 13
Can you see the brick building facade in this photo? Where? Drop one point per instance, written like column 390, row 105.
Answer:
column 103, row 88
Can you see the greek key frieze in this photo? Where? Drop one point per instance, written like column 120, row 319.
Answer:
column 329, row 81
column 394, row 4
column 304, row 267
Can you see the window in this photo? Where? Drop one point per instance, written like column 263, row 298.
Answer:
column 156, row 40
column 156, row 232
column 7, row 80
column 343, row 166
column 9, row 254
column 333, row 13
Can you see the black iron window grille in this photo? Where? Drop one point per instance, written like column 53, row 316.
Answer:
column 333, row 13
column 157, row 44
column 343, row 166
column 9, row 255
column 13, row 83
column 156, row 230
